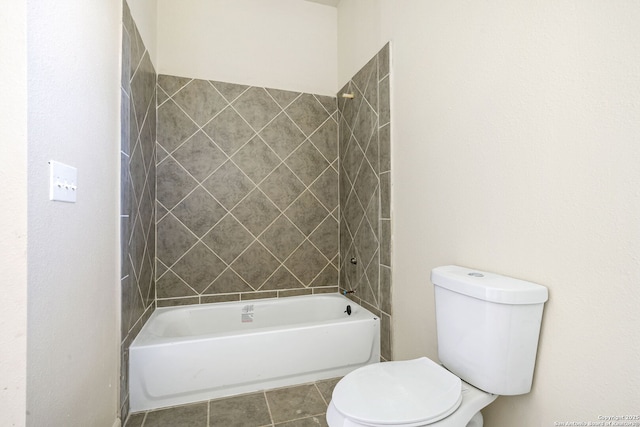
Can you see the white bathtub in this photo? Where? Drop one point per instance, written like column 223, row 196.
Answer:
column 200, row 352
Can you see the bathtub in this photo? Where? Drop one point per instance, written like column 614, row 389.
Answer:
column 200, row 352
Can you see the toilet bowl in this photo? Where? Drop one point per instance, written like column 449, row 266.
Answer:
column 487, row 328
column 407, row 393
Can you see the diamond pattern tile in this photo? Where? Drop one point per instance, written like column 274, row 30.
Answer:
column 173, row 183
column 257, row 107
column 174, row 126
column 199, row 211
column 256, row 160
column 228, row 239
column 281, row 238
column 255, row 265
column 282, row 186
column 307, row 162
column 229, row 131
column 200, row 101
column 199, row 267
column 199, row 156
column 248, row 234
column 228, row 185
column 308, row 113
column 256, row 212
column 282, row 135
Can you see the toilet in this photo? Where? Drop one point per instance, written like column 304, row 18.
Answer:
column 487, row 326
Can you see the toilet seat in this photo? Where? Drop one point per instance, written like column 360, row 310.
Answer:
column 407, row 393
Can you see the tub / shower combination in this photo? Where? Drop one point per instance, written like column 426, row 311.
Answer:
column 201, row 352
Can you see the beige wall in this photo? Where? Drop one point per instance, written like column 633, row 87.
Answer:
column 281, row 44
column 73, row 263
column 13, row 215
column 515, row 150
column 145, row 15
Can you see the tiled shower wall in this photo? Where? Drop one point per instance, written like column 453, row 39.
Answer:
column 138, row 191
column 247, row 192
column 365, row 183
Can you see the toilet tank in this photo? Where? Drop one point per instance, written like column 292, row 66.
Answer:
column 488, row 327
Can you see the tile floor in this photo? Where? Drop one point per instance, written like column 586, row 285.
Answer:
column 297, row 406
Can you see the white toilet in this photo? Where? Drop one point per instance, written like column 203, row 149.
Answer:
column 488, row 327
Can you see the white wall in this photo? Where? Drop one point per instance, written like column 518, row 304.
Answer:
column 13, row 215
column 73, row 263
column 515, row 149
column 145, row 13
column 282, row 44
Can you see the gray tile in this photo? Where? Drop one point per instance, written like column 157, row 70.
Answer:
column 258, row 295
column 229, row 185
column 283, row 97
column 306, row 212
column 366, row 243
column 326, row 388
column 228, row 239
column 282, row 135
column 173, row 240
column 295, row 403
column 229, row 131
column 353, row 213
column 199, row 211
column 352, row 160
column 385, row 337
column 361, row 78
column 385, row 289
column 372, row 152
column 325, row 140
column 325, row 237
column 281, row 238
column 385, row 148
column 281, row 279
column 364, row 126
column 171, row 286
column 383, row 61
column 199, row 267
column 325, row 188
column 228, row 282
column 172, row 84
column 385, row 242
column 385, row 108
column 256, row 160
column 174, row 126
column 173, row 183
column 371, row 92
column 317, row 421
column 327, row 277
column 385, row 195
column 307, row 113
column 199, row 156
column 209, row 299
column 282, row 186
column 294, row 292
column 200, row 101
column 366, row 183
column 173, row 302
column 328, row 102
column 229, row 90
column 143, row 84
column 255, row 265
column 256, row 107
column 239, row 411
column 135, row 420
column 306, row 263
column 307, row 163
column 181, row 416
column 256, row 212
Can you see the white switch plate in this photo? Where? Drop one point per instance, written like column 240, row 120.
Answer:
column 63, row 182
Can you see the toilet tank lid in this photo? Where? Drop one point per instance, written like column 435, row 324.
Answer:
column 488, row 286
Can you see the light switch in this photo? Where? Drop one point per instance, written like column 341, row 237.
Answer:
column 63, row 182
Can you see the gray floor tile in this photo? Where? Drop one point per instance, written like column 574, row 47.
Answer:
column 293, row 403
column 326, row 388
column 242, row 411
column 180, row 416
column 316, row 421
column 135, row 420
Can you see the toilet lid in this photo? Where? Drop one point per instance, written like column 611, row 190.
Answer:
column 408, row 392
